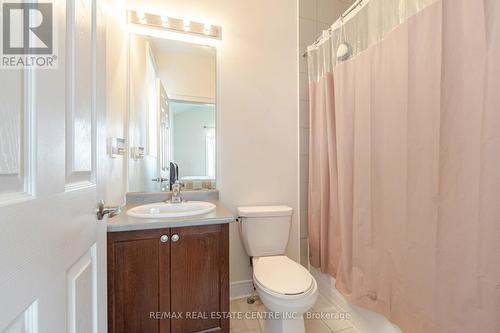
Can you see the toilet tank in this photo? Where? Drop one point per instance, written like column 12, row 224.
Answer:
column 264, row 230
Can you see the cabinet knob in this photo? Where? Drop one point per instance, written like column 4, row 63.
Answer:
column 164, row 238
column 175, row 238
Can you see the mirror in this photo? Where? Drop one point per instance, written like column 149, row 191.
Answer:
column 172, row 114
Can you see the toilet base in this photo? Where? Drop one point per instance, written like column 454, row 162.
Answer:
column 285, row 324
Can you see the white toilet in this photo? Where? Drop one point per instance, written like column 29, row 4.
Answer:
column 285, row 287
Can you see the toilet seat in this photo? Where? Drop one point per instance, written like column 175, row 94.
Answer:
column 282, row 277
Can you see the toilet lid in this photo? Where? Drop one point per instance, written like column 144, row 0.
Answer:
column 282, row 275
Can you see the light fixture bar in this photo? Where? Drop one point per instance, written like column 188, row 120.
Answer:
column 165, row 22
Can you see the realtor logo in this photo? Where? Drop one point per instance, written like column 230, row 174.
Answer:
column 27, row 35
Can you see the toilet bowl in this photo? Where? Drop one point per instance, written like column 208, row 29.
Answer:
column 286, row 288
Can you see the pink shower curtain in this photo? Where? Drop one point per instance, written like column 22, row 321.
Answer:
column 404, row 194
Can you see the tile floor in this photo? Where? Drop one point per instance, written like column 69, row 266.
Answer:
column 327, row 322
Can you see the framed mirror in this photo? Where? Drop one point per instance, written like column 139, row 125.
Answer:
column 172, row 114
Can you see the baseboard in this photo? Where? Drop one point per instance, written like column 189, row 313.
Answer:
column 365, row 321
column 240, row 289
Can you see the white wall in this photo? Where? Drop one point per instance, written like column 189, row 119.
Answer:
column 116, row 99
column 257, row 100
column 141, row 171
column 189, row 138
column 187, row 76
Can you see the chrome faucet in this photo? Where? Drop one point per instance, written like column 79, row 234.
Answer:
column 176, row 192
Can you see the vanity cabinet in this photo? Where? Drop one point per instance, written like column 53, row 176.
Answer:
column 169, row 280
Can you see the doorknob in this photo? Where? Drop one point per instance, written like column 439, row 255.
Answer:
column 103, row 210
column 175, row 238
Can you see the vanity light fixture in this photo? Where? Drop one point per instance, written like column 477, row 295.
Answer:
column 164, row 26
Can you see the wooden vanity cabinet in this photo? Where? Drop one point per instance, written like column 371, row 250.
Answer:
column 177, row 285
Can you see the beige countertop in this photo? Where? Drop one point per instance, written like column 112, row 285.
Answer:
column 123, row 222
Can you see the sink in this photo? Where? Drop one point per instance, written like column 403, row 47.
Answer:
column 167, row 209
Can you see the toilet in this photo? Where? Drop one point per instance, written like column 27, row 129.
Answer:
column 286, row 288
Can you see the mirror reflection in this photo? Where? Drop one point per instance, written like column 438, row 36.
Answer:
column 172, row 115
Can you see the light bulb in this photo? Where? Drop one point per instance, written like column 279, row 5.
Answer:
column 164, row 20
column 186, row 23
column 207, row 28
column 141, row 16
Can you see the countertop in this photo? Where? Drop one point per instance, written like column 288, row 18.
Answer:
column 123, row 222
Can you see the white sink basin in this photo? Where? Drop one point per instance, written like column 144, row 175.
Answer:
column 166, row 209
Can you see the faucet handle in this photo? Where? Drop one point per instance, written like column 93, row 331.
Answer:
column 176, row 192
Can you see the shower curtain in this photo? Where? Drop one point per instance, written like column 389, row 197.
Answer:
column 404, row 184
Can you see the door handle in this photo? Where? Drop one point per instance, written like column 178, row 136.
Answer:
column 104, row 210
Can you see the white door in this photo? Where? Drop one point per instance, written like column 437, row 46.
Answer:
column 163, row 154
column 52, row 155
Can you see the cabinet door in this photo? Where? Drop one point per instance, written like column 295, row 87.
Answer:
column 200, row 278
column 138, row 282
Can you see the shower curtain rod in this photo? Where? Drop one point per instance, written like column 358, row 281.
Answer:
column 357, row 4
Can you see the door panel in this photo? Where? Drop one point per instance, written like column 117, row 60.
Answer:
column 51, row 244
column 137, row 261
column 11, row 113
column 80, row 119
column 26, row 322
column 136, row 271
column 200, row 277
column 15, row 136
column 164, row 133
column 82, row 294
